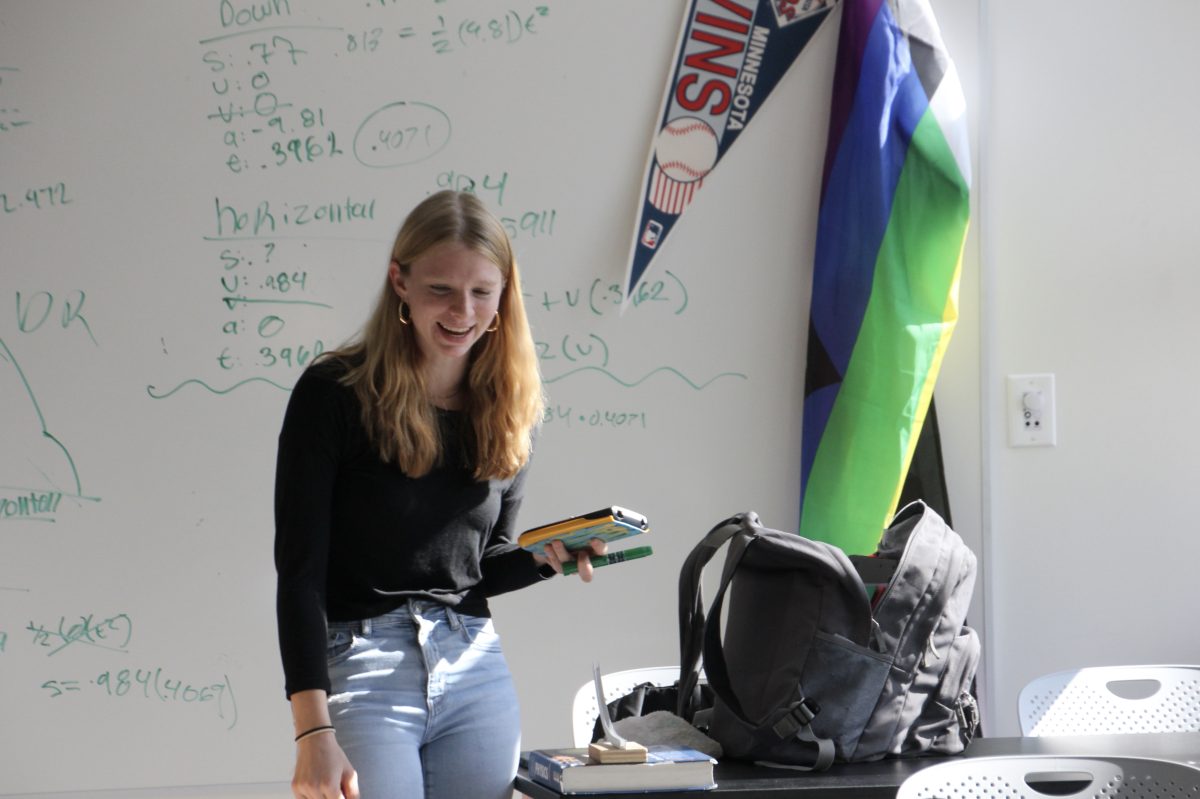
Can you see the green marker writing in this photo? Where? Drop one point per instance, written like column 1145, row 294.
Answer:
column 632, row 553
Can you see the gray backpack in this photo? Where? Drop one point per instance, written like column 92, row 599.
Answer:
column 810, row 670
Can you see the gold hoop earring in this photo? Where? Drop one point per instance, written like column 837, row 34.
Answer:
column 404, row 320
column 495, row 324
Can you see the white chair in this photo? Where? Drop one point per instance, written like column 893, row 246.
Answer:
column 584, row 710
column 1039, row 776
column 1112, row 699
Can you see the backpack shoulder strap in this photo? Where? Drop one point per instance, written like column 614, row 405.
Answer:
column 691, row 606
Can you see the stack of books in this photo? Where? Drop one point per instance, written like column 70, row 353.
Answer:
column 570, row 771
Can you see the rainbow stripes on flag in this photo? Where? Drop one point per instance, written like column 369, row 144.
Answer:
column 893, row 220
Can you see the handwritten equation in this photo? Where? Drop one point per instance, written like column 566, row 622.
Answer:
column 259, row 290
column 268, row 285
column 152, row 684
column 602, row 298
column 401, row 21
column 259, row 128
column 264, row 126
column 573, row 416
column 114, row 634
column 111, row 633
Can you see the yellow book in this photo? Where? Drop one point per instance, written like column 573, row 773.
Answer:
column 609, row 524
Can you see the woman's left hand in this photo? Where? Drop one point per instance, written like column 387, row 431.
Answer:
column 556, row 554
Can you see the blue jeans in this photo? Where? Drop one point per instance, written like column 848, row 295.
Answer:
column 424, row 704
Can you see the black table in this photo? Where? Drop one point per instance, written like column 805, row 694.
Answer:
column 880, row 780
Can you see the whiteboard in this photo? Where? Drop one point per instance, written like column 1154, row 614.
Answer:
column 196, row 197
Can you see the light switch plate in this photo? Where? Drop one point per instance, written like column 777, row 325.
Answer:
column 1031, row 411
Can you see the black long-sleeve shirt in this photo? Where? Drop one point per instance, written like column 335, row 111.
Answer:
column 355, row 537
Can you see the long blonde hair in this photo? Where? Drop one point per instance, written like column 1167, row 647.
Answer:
column 504, row 399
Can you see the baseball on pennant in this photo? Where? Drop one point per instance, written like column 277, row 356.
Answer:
column 686, row 149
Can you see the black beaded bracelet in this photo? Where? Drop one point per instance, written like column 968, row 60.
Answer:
column 314, row 731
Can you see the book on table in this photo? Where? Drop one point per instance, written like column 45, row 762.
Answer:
column 667, row 768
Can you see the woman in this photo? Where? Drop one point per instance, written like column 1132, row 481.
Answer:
column 401, row 467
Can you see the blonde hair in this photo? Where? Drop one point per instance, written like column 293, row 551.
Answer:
column 504, row 400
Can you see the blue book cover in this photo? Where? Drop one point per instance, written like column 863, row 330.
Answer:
column 570, row 771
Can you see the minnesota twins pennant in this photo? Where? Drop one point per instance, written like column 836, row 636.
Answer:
column 730, row 55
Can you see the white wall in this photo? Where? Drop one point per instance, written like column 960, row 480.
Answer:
column 1089, row 195
column 957, row 394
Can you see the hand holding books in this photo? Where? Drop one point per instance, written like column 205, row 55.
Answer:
column 571, row 561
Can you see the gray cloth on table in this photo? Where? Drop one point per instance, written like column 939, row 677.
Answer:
column 664, row 727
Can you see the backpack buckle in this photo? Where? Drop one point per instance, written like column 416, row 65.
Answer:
column 966, row 711
column 798, row 715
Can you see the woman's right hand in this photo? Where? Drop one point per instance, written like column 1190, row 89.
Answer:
column 556, row 554
column 322, row 770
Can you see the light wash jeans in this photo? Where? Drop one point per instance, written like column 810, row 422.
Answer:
column 424, row 704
